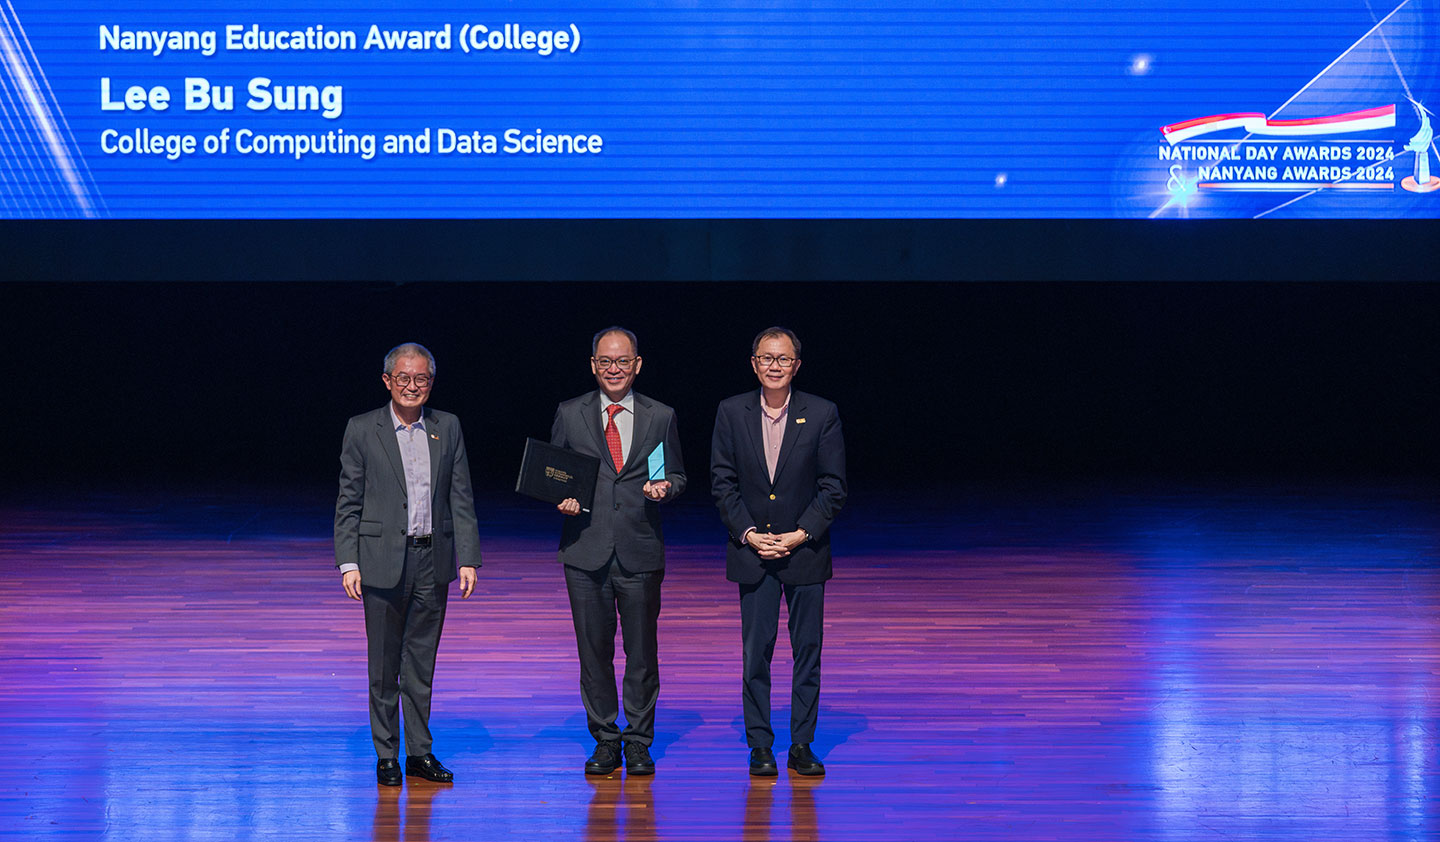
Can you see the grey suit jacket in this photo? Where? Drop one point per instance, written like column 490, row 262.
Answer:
column 370, row 513
column 622, row 522
column 808, row 490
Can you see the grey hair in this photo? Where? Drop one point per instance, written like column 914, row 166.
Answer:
column 776, row 331
column 408, row 349
column 595, row 341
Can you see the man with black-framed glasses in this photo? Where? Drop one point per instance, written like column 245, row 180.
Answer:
column 405, row 529
column 614, row 554
column 777, row 473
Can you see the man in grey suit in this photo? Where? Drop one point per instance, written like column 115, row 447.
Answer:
column 404, row 521
column 614, row 554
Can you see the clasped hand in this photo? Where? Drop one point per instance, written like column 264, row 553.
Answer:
column 770, row 546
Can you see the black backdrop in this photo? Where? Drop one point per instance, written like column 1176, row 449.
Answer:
column 209, row 383
column 689, row 250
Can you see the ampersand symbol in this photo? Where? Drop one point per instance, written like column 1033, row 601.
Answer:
column 1176, row 184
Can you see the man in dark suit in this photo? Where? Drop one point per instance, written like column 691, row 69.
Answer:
column 404, row 520
column 777, row 472
column 614, row 554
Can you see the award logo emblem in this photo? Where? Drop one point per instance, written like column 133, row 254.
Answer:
column 1422, row 181
column 1300, row 155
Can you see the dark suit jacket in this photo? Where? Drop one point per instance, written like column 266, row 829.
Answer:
column 808, row 490
column 622, row 522
column 371, row 515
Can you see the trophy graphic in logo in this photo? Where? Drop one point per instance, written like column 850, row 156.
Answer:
column 1422, row 181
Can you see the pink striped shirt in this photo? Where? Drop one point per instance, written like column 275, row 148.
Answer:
column 772, row 430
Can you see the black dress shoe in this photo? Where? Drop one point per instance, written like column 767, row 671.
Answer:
column 638, row 760
column 604, row 760
column 762, row 763
column 804, row 761
column 427, row 767
column 387, row 772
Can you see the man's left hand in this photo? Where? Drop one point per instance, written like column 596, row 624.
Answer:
column 657, row 490
column 467, row 582
column 791, row 540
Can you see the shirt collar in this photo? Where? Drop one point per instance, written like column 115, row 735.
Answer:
column 774, row 414
column 628, row 402
column 398, row 424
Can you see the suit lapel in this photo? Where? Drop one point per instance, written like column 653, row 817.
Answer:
column 592, row 419
column 792, row 430
column 751, row 426
column 432, row 436
column 385, row 432
column 639, row 434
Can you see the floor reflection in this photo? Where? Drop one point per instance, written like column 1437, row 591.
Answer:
column 802, row 807
column 620, row 807
column 402, row 814
column 759, row 805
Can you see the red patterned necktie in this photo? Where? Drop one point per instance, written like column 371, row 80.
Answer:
column 612, row 435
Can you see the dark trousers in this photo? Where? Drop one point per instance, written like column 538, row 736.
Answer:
column 596, row 597
column 402, row 630
column 759, row 625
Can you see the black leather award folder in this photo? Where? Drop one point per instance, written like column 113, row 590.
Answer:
column 551, row 474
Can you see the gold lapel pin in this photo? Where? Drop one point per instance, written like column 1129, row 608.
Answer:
column 799, row 420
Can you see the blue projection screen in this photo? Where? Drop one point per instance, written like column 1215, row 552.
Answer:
column 716, row 109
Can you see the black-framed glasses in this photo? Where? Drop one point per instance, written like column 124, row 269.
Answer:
column 768, row 360
column 604, row 363
column 421, row 381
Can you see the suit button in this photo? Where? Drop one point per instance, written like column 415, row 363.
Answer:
column 767, row 526
column 772, row 496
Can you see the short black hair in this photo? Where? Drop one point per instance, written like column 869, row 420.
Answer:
column 595, row 340
column 776, row 331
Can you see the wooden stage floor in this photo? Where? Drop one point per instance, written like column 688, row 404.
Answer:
column 1159, row 665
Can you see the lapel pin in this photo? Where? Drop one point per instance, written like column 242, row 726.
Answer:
column 435, row 437
column 799, row 420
